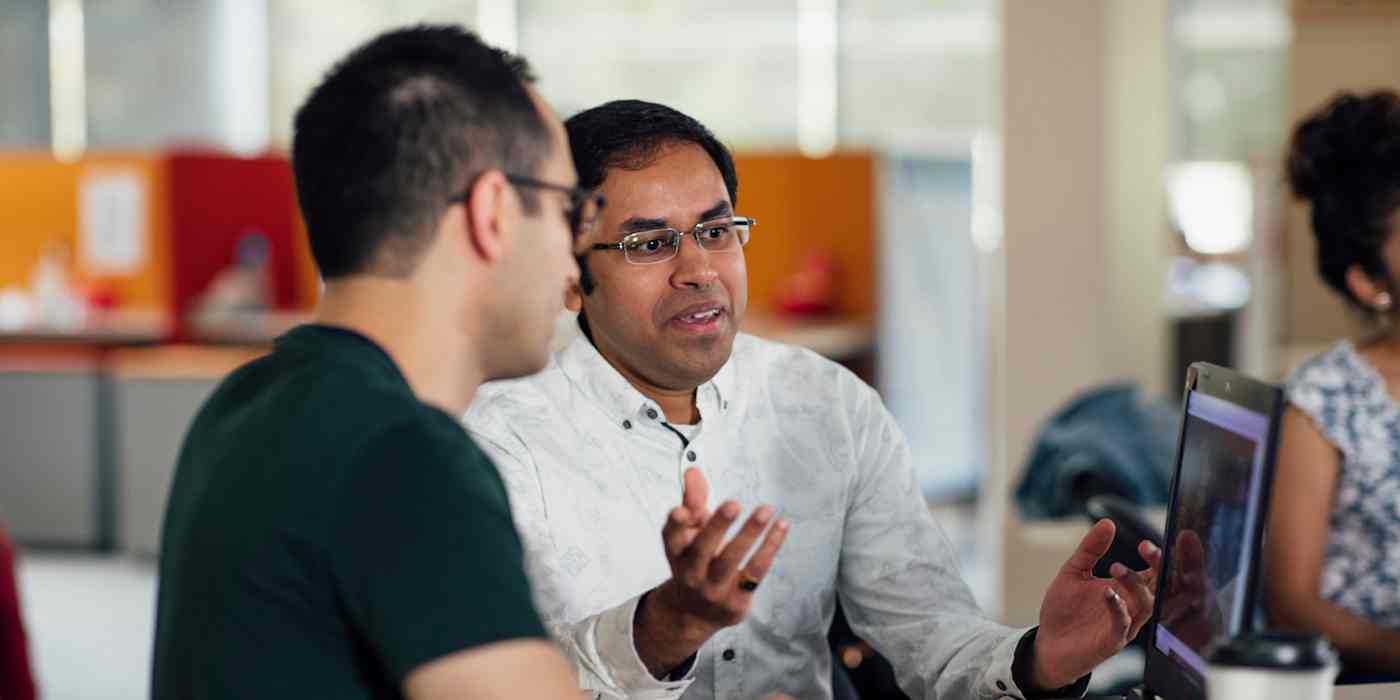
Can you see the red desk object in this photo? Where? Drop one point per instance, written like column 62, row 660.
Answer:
column 16, row 679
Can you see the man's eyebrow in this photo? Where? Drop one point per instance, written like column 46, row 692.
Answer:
column 638, row 223
column 719, row 210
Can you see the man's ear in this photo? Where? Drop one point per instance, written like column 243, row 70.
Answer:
column 491, row 211
column 573, row 298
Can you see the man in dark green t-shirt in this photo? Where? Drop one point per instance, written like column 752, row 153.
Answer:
column 331, row 530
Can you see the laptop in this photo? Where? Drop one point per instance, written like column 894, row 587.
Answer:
column 1215, row 524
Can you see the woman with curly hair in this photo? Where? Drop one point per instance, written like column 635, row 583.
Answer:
column 1333, row 547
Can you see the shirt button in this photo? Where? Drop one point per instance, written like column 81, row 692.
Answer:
column 728, row 655
column 651, row 413
column 690, row 455
column 627, row 425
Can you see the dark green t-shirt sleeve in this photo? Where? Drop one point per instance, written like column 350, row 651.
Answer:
column 426, row 557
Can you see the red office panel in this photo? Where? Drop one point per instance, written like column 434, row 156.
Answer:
column 216, row 200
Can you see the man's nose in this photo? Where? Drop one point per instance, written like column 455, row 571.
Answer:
column 693, row 267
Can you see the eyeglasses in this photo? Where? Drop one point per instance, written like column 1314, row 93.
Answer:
column 724, row 235
column 581, row 212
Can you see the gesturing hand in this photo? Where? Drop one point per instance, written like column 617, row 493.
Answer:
column 1085, row 620
column 707, row 590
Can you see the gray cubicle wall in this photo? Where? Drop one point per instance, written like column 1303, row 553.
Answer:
column 24, row 74
column 932, row 330
column 150, row 417
column 55, row 488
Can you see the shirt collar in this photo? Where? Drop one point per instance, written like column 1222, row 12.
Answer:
column 325, row 340
column 585, row 368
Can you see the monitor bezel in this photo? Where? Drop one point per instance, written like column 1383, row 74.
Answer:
column 1162, row 676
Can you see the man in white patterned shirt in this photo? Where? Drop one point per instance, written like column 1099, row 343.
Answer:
column 662, row 418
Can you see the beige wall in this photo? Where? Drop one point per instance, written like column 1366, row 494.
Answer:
column 1085, row 143
column 1336, row 45
column 1136, row 150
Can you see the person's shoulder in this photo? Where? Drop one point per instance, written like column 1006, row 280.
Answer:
column 500, row 404
column 519, row 394
column 1335, row 369
column 754, row 351
column 421, row 449
column 300, row 402
column 295, row 376
column 785, row 367
column 1333, row 387
column 424, row 429
column 271, row 373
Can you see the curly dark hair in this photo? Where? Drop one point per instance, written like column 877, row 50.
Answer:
column 1345, row 160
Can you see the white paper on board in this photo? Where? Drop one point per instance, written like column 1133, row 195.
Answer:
column 112, row 221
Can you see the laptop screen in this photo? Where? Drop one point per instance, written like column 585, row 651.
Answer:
column 1205, row 593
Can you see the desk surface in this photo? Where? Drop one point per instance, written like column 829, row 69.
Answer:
column 1374, row 691
column 112, row 327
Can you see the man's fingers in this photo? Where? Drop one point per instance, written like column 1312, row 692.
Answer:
column 696, row 491
column 703, row 548
column 1141, row 621
column 1128, row 577
column 1119, row 609
column 678, row 532
column 726, row 565
column 1092, row 548
column 1153, row 556
column 762, row 560
column 1132, row 588
column 1150, row 553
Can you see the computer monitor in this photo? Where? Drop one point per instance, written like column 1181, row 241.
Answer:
column 1215, row 523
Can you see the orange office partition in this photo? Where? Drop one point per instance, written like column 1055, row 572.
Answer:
column 148, row 232
column 826, row 205
column 105, row 216
column 38, row 196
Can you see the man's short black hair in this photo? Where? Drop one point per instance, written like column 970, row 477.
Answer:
column 629, row 134
column 398, row 128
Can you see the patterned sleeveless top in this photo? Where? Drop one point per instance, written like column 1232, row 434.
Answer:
column 1346, row 399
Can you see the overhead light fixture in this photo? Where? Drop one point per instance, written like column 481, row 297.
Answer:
column 67, row 80
column 816, row 77
column 1212, row 203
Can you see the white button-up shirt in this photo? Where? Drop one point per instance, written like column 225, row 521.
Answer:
column 592, row 470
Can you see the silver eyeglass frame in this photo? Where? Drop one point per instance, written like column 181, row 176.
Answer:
column 747, row 222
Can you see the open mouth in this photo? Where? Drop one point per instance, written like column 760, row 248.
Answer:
column 701, row 317
column 698, row 319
